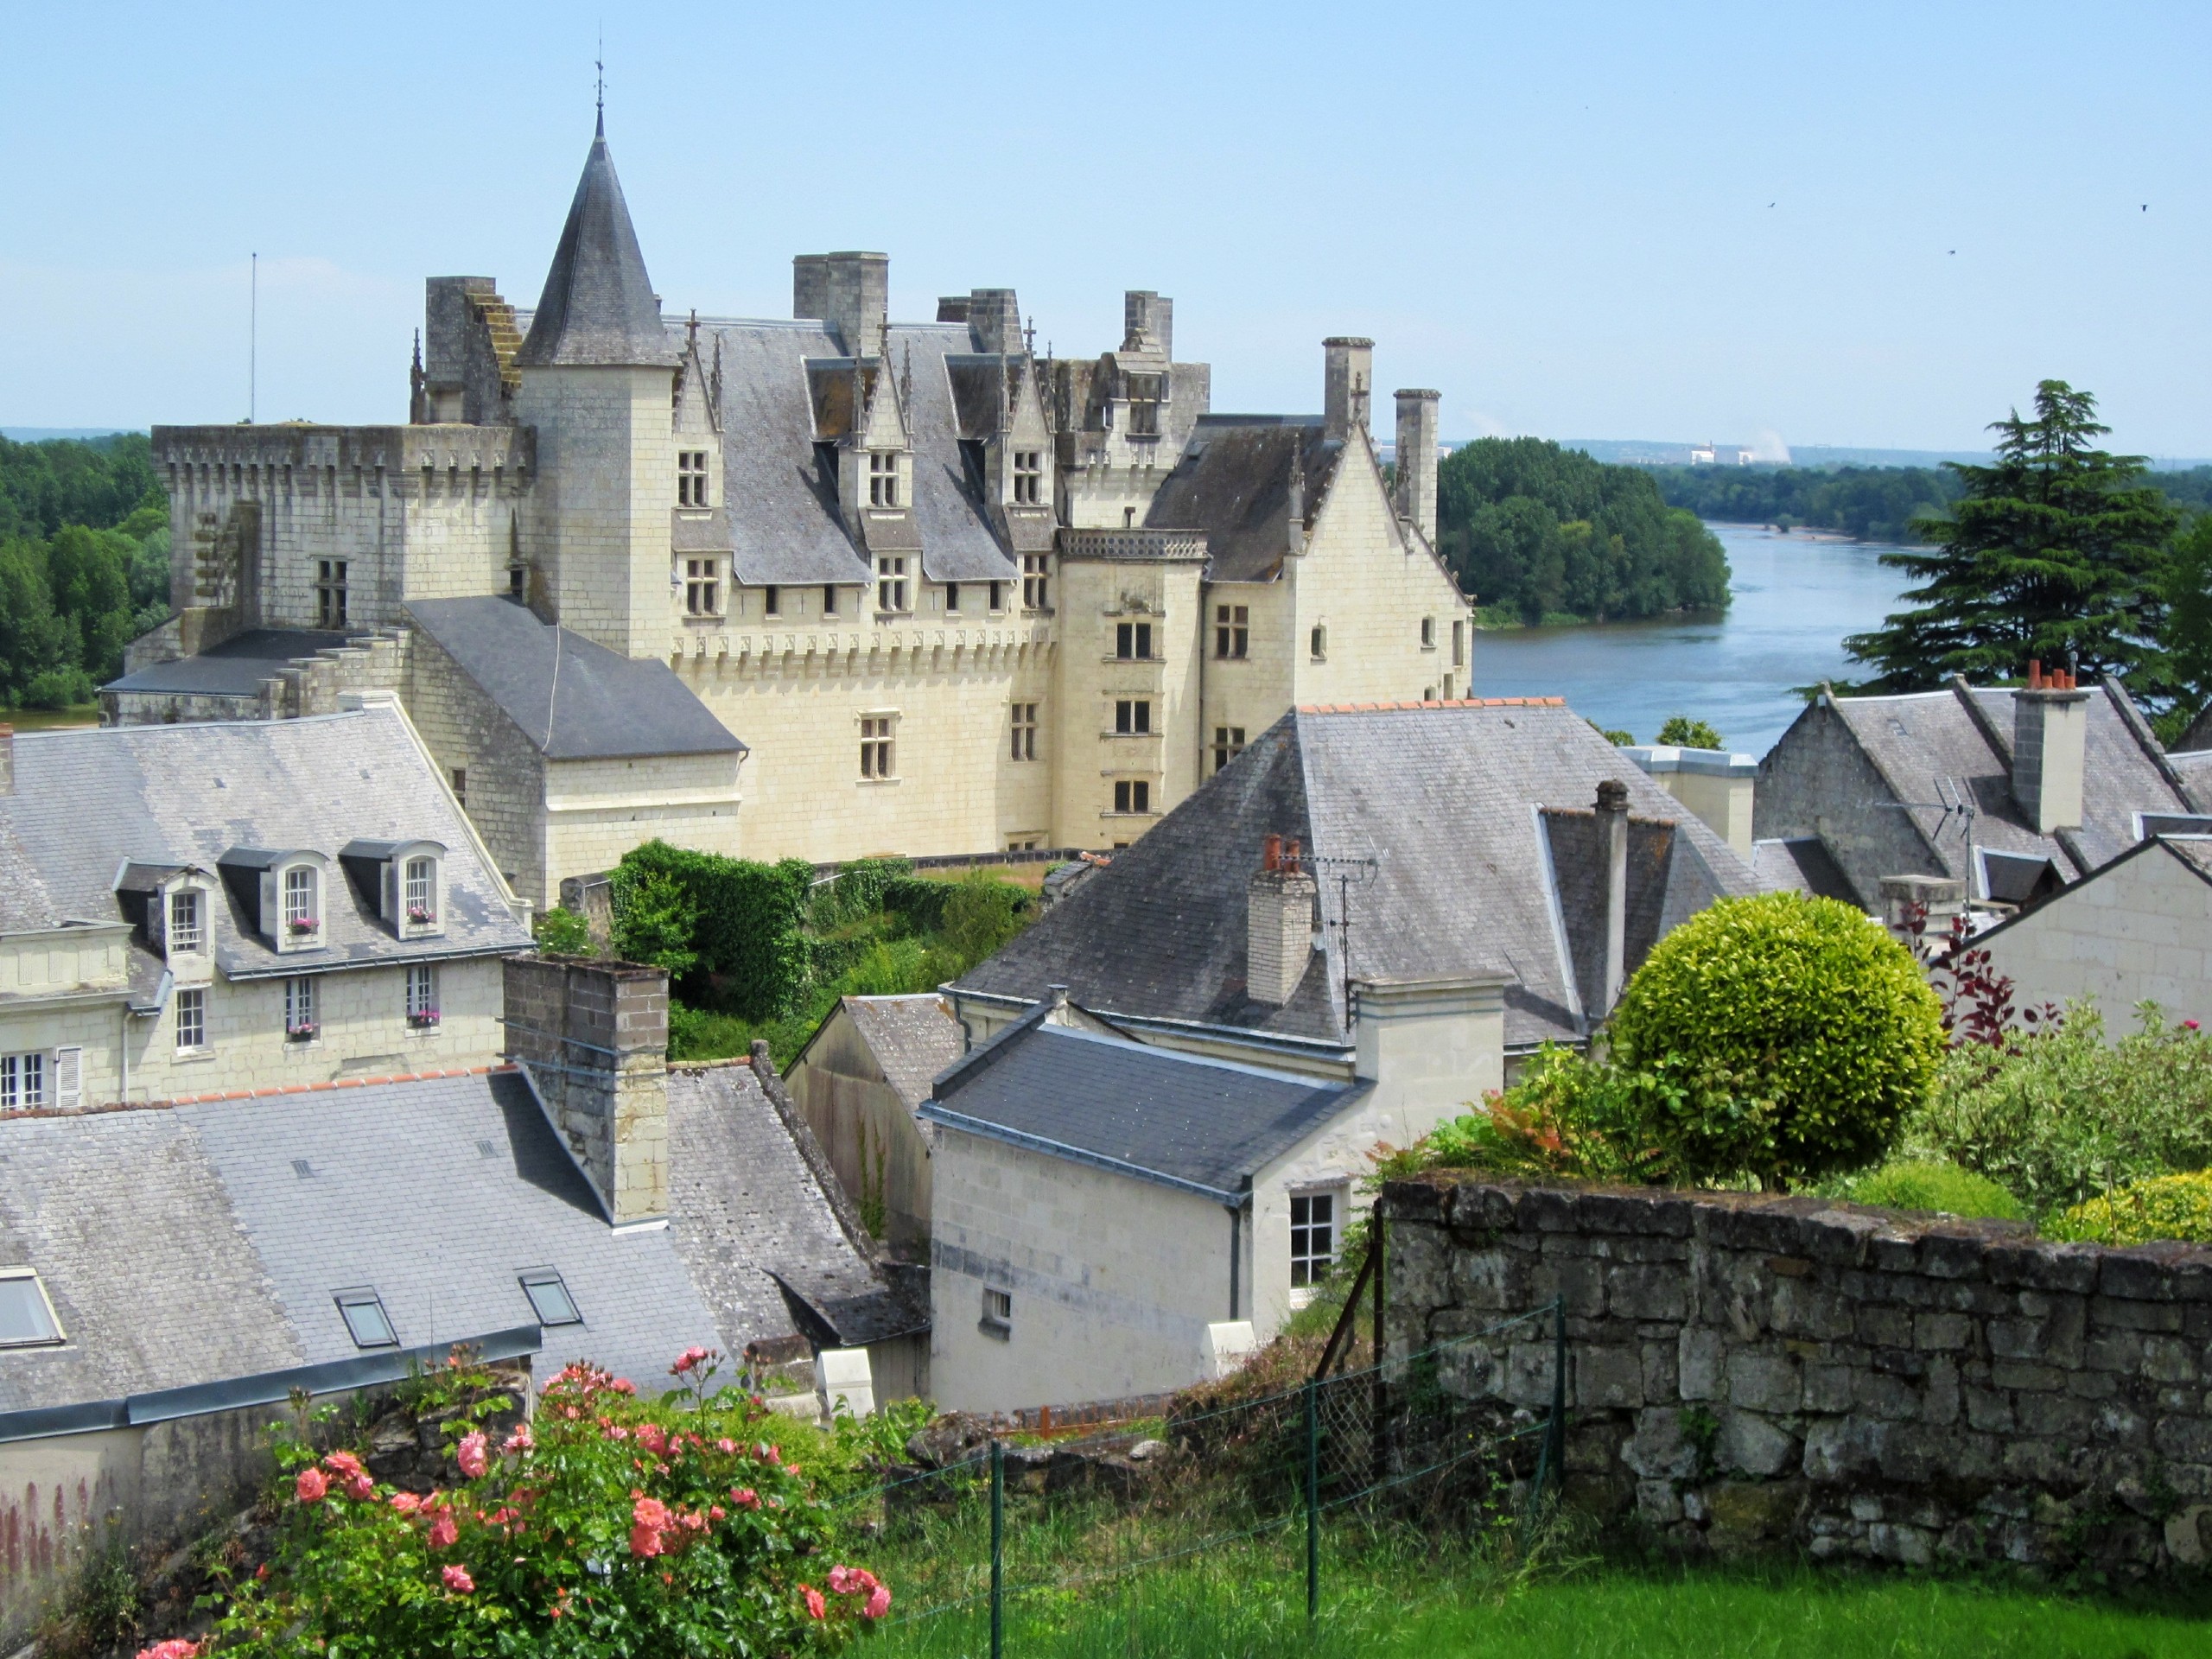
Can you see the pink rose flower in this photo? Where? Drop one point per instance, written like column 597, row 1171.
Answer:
column 471, row 1454
column 2189, row 1024
column 311, row 1486
column 878, row 1602
column 444, row 1532
column 643, row 1540
column 815, row 1608
column 457, row 1579
column 744, row 1497
column 406, row 1503
column 727, row 1447
column 175, row 1648
column 688, row 1360
column 851, row 1580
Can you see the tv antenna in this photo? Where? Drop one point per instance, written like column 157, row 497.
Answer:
column 253, row 338
column 1346, row 873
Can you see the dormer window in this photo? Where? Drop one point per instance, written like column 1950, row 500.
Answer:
column 882, row 480
column 691, row 478
column 188, row 921
column 1029, row 477
column 1144, row 405
column 302, row 902
column 422, row 885
column 402, row 881
column 891, row 583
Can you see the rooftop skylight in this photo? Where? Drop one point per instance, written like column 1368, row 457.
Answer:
column 26, row 1316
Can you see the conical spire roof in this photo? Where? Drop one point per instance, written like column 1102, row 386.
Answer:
column 599, row 305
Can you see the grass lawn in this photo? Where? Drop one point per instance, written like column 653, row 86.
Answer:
column 1405, row 1598
column 51, row 719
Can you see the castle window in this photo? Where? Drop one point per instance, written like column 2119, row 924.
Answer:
column 1428, row 634
column 1133, row 641
column 422, row 1005
column 998, row 597
column 891, row 584
column 953, row 597
column 828, row 599
column 460, row 787
column 420, row 894
column 300, row 1023
column 1458, row 643
column 1228, row 744
column 772, row 601
column 882, row 479
column 330, row 594
column 1025, row 731
column 1144, row 405
column 191, row 1020
column 1232, row 632
column 702, row 586
column 1132, row 795
column 23, row 1082
column 1033, row 568
column 1132, row 717
column 1318, row 643
column 691, row 478
column 877, row 747
column 186, row 931
column 1029, row 477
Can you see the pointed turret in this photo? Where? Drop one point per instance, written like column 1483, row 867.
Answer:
column 599, row 308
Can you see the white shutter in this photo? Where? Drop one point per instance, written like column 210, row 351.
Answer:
column 68, row 1076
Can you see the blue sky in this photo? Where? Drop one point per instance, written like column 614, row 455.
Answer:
column 1866, row 224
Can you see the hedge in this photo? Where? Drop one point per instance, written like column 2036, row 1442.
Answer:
column 749, row 935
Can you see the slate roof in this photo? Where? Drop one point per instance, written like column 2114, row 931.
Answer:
column 912, row 1038
column 1447, row 800
column 1800, row 864
column 603, row 704
column 1232, row 481
column 779, row 518
column 1930, row 746
column 598, row 305
column 186, row 1245
column 87, row 802
column 1155, row 1113
column 236, row 668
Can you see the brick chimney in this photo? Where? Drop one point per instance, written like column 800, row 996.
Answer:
column 851, row 292
column 7, row 759
column 1612, row 847
column 1415, row 458
column 593, row 1038
column 1347, row 384
column 2051, row 730
column 1278, row 924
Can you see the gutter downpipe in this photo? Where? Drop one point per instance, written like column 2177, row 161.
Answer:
column 1236, row 1252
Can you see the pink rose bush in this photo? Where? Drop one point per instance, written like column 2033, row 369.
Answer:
column 612, row 1525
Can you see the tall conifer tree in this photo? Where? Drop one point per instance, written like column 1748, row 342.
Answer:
column 2055, row 551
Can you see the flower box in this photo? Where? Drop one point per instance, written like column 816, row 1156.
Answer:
column 306, row 1034
column 418, row 916
column 422, row 1017
column 300, row 925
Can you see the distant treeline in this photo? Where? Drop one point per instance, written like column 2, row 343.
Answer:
column 84, row 563
column 1538, row 533
column 1875, row 503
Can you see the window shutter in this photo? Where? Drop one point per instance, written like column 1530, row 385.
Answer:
column 68, row 1076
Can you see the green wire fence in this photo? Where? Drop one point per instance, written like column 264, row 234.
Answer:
column 1425, row 1437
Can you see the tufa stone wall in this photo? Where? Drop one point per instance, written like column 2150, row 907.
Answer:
column 1748, row 1372
column 593, row 1038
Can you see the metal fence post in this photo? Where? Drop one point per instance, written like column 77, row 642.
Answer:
column 998, row 1549
column 1313, row 1499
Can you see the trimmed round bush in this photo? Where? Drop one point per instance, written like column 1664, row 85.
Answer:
column 1802, row 1034
column 2165, row 1206
column 1931, row 1184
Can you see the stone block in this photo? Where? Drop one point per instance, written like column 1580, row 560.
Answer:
column 1701, row 1358
column 1828, row 1388
column 1841, row 1448
column 1885, row 1327
column 1951, row 1255
column 2168, row 1359
column 1646, row 1293
column 1754, row 1444
column 1989, row 1409
column 2058, row 1415
column 1748, row 1514
column 1481, row 1209
column 2114, row 1351
column 1608, row 1376
column 1660, row 1381
column 1837, row 1237
column 1945, row 1332
column 1479, row 1279
column 2117, row 1423
column 1909, row 1546
column 1543, row 1210
column 2135, row 1275
column 2187, row 1439
column 1580, row 1279
column 2113, row 1313
column 1764, row 1382
column 2013, row 1374
column 1660, row 1450
column 1939, row 1397
column 1657, row 1503
column 1889, row 1398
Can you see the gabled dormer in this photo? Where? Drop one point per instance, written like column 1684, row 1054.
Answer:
column 402, row 883
column 864, row 445
column 172, row 909
column 284, row 895
column 696, row 422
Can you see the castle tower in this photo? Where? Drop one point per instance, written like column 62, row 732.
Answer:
column 598, row 384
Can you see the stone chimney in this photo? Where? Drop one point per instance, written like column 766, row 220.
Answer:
column 1278, row 924
column 851, row 292
column 2051, row 730
column 994, row 318
column 1612, row 847
column 1347, row 385
column 593, row 1038
column 1416, row 458
column 1147, row 322
column 1940, row 897
column 7, row 759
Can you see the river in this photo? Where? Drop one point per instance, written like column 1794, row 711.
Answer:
column 1795, row 598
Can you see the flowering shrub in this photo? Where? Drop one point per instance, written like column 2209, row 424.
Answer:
column 613, row 1525
column 2163, row 1206
column 303, row 924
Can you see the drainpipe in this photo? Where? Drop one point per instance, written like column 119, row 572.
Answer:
column 1612, row 846
column 1236, row 1254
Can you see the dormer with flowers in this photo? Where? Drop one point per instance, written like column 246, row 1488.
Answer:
column 402, row 882
column 285, row 894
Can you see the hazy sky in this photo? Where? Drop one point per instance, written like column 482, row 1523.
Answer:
column 1867, row 225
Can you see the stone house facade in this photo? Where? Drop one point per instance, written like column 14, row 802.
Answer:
column 937, row 594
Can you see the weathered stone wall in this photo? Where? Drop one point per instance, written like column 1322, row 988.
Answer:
column 1746, row 1372
column 593, row 1036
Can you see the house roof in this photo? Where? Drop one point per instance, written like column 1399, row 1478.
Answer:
column 1233, row 481
column 87, row 802
column 1427, row 821
column 237, row 668
column 599, row 705
column 1151, row 1113
column 913, row 1038
column 1956, row 744
column 248, row 1216
column 598, row 307
column 1800, row 864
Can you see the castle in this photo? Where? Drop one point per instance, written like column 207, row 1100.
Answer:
column 825, row 587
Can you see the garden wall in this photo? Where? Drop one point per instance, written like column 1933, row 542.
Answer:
column 1747, row 1372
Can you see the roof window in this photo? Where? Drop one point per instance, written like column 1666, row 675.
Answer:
column 404, row 880
column 26, row 1316
column 548, row 1297
column 363, row 1312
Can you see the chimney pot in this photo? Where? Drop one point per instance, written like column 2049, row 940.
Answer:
column 1057, row 995
column 1271, row 853
column 2035, row 674
column 1278, row 926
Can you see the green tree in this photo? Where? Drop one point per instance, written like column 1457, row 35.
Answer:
column 2188, row 632
column 33, row 641
column 2056, row 551
column 1682, row 733
column 88, row 572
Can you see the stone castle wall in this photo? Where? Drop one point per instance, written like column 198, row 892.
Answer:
column 1748, row 1372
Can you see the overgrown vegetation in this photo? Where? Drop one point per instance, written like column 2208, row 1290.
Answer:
column 1541, row 534
column 84, row 564
column 765, row 950
column 1930, row 1184
column 2163, row 1206
column 1875, row 504
column 1684, row 733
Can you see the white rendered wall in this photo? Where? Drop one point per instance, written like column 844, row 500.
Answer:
column 2141, row 930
